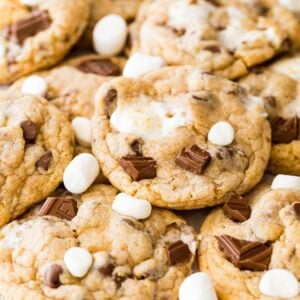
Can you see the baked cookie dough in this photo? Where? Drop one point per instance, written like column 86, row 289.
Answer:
column 71, row 87
column 116, row 256
column 262, row 230
column 151, row 135
column 36, row 144
column 278, row 87
column 100, row 8
column 39, row 36
column 224, row 37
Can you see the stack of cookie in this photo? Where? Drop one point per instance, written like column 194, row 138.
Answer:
column 115, row 112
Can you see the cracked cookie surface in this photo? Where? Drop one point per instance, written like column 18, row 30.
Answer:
column 36, row 145
column 38, row 37
column 144, row 128
column 224, row 37
column 273, row 221
column 130, row 257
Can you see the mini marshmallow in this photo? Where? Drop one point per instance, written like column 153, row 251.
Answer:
column 286, row 182
column 78, row 261
column 197, row 286
column 139, row 64
column 83, row 131
column 279, row 283
column 31, row 2
column 131, row 206
column 221, row 134
column 109, row 35
column 34, row 85
column 81, row 173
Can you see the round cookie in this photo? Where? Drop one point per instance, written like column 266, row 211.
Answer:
column 279, row 88
column 224, row 37
column 150, row 137
column 36, row 145
column 71, row 87
column 37, row 37
column 128, row 258
column 266, row 222
column 100, row 8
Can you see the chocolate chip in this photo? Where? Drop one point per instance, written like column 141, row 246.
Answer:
column 178, row 252
column 136, row 146
column 52, row 276
column 21, row 30
column 212, row 48
column 271, row 101
column 30, row 131
column 44, row 161
column 61, row 207
column 139, row 167
column 245, row 255
column 237, row 209
column 103, row 67
column 224, row 153
column 109, row 100
column 284, row 130
column 107, row 270
column 193, row 159
column 119, row 279
column 297, row 210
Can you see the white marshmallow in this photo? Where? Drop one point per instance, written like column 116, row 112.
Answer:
column 293, row 5
column 286, row 182
column 109, row 35
column 78, row 261
column 131, row 206
column 34, row 85
column 221, row 134
column 81, row 173
column 83, row 131
column 197, row 286
column 139, row 64
column 279, row 283
column 31, row 2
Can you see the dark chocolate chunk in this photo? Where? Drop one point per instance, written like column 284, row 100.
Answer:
column 237, row 209
column 284, row 130
column 44, row 161
column 52, row 276
column 178, row 252
column 245, row 255
column 19, row 31
column 107, row 270
column 99, row 66
column 297, row 210
column 30, row 131
column 139, row 167
column 193, row 159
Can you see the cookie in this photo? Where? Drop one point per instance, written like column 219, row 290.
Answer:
column 224, row 37
column 39, row 36
column 36, row 145
column 243, row 243
column 178, row 137
column 278, row 86
column 71, row 87
column 83, row 248
column 291, row 5
column 100, row 8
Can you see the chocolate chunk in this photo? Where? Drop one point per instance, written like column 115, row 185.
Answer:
column 44, row 161
column 61, row 207
column 107, row 270
column 271, row 101
column 21, row 30
column 236, row 208
column 139, row 167
column 297, row 210
column 284, row 130
column 245, row 255
column 178, row 253
column 193, row 159
column 136, row 146
column 30, row 131
column 119, row 279
column 224, row 153
column 52, row 276
column 104, row 67
column 212, row 48
column 109, row 101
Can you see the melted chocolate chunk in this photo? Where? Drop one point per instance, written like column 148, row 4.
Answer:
column 44, row 161
column 245, row 255
column 193, row 159
column 284, row 130
column 107, row 270
column 237, row 209
column 178, row 252
column 52, row 276
column 103, row 67
column 136, row 146
column 109, row 101
column 296, row 207
column 139, row 167
column 212, row 48
column 30, row 131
